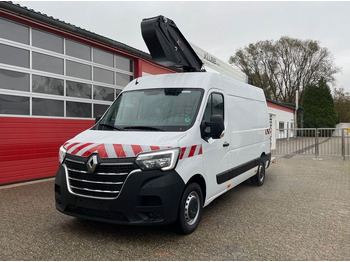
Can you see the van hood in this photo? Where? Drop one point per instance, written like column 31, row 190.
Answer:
column 119, row 144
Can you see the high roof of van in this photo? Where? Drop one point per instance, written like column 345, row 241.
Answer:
column 204, row 80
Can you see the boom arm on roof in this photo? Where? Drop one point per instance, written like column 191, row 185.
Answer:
column 168, row 46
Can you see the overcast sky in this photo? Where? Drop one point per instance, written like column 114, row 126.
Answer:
column 217, row 27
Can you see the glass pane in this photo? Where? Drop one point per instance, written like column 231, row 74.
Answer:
column 47, row 41
column 124, row 63
column 218, row 104
column 47, row 85
column 76, row 89
column 76, row 109
column 103, row 57
column 15, row 105
column 14, row 31
column 47, row 107
column 117, row 92
column 99, row 110
column 103, row 75
column 14, row 56
column 168, row 109
column 123, row 80
column 78, row 70
column 14, row 80
column 47, row 63
column 103, row 93
column 78, row 50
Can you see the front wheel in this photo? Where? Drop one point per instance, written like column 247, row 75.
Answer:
column 190, row 209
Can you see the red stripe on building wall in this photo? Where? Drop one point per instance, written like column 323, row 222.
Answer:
column 272, row 105
column 29, row 146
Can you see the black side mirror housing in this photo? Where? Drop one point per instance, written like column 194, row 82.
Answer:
column 213, row 128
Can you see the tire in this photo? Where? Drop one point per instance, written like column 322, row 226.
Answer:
column 190, row 209
column 259, row 178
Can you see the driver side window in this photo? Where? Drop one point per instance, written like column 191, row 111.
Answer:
column 215, row 106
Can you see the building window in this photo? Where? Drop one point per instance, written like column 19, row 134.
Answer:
column 103, row 75
column 99, row 110
column 47, row 85
column 47, row 63
column 124, row 63
column 281, row 125
column 13, row 31
column 123, row 79
column 103, row 57
column 14, row 80
column 103, row 93
column 77, row 109
column 14, row 56
column 78, row 70
column 47, row 107
column 47, row 41
column 78, row 50
column 76, row 89
column 15, row 105
column 54, row 76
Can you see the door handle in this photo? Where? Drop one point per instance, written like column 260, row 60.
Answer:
column 226, row 144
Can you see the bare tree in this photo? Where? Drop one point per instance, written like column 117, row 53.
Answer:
column 342, row 104
column 282, row 67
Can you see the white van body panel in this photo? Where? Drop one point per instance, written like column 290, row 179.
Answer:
column 245, row 119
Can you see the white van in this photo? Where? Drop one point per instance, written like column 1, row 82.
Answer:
column 167, row 147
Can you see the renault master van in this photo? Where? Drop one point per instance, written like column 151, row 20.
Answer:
column 167, row 147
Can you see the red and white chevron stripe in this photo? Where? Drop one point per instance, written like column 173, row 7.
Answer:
column 191, row 151
column 267, row 131
column 108, row 150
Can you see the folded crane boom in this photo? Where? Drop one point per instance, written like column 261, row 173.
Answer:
column 168, row 46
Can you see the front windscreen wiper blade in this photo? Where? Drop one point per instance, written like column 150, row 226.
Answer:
column 113, row 127
column 151, row 128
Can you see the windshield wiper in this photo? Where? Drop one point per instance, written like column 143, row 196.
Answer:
column 151, row 128
column 113, row 127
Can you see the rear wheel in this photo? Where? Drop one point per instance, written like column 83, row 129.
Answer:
column 259, row 177
column 190, row 209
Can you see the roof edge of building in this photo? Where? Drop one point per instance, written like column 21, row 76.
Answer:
column 16, row 8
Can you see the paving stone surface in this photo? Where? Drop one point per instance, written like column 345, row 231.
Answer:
column 302, row 212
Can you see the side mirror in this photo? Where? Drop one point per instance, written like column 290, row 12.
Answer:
column 213, row 128
column 98, row 118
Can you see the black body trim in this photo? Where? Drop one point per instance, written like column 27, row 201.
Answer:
column 147, row 197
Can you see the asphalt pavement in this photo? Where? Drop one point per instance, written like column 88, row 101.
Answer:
column 302, row 212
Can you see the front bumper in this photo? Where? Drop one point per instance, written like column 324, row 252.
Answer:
column 147, row 197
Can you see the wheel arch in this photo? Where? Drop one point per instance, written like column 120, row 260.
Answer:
column 199, row 179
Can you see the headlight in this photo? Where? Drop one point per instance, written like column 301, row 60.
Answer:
column 164, row 160
column 62, row 154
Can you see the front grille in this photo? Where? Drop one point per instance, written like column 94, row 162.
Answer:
column 107, row 179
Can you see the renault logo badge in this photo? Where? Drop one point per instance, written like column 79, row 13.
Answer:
column 92, row 163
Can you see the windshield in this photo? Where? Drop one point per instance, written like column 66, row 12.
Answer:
column 166, row 109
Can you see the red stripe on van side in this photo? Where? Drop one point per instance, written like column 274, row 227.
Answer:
column 154, row 148
column 183, row 149
column 200, row 150
column 101, row 150
column 74, row 144
column 80, row 148
column 137, row 149
column 118, row 148
column 193, row 149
